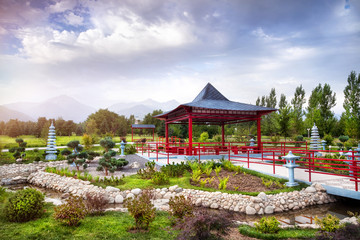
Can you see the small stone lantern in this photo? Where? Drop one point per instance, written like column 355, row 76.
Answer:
column 252, row 142
column 122, row 147
column 290, row 164
column 323, row 143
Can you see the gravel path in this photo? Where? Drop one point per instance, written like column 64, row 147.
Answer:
column 127, row 170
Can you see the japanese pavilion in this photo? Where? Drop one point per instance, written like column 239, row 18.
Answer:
column 210, row 107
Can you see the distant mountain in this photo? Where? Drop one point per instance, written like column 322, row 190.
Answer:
column 7, row 114
column 140, row 109
column 62, row 106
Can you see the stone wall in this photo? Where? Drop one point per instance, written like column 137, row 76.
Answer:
column 18, row 173
column 268, row 204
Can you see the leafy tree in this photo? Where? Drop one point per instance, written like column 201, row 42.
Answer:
column 284, row 117
column 107, row 143
column 159, row 124
column 269, row 121
column 352, row 105
column 13, row 128
column 204, row 137
column 88, row 141
column 298, row 113
column 321, row 101
column 107, row 122
column 91, row 127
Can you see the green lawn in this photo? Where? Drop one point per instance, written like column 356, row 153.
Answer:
column 113, row 225
column 32, row 141
column 282, row 234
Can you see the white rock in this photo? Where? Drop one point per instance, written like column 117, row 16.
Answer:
column 130, row 195
column 263, row 196
column 269, row 209
column 214, row 206
column 112, row 189
column 119, row 198
column 136, row 191
column 198, row 202
column 310, row 190
column 172, row 188
column 134, row 165
column 250, row 211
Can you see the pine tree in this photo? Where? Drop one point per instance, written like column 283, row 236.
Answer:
column 352, row 105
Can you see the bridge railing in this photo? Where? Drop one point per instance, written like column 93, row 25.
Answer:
column 325, row 162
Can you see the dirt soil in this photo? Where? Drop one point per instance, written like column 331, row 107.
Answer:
column 243, row 182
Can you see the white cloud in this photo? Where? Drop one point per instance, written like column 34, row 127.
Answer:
column 73, row 19
column 259, row 33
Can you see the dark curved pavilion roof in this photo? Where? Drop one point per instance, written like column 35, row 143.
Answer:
column 210, row 98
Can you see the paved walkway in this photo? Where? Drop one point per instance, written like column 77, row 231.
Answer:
column 336, row 185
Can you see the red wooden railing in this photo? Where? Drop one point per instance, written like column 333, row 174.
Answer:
column 269, row 154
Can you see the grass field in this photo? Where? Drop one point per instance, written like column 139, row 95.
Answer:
column 32, row 141
column 113, row 225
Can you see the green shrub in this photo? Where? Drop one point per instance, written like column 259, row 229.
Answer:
column 148, row 172
column 343, row 138
column 196, row 175
column 329, row 139
column 203, row 224
column 299, row 138
column 217, row 170
column 329, row 223
column 348, row 232
column 175, row 170
column 72, row 212
column 95, row 204
column 180, row 206
column 25, row 205
column 223, row 183
column 141, row 209
column 130, row 149
column 160, row 178
column 268, row 225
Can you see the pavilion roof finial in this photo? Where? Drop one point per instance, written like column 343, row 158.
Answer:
column 209, row 92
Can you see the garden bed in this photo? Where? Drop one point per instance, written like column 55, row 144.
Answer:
column 242, row 182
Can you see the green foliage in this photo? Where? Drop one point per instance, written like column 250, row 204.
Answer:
column 111, row 181
column 268, row 225
column 19, row 152
column 299, row 138
column 204, row 137
column 130, row 149
column 66, row 152
column 203, row 182
column 352, row 105
column 343, row 138
column 148, row 172
column 329, row 139
column 223, row 183
column 111, row 164
column 217, row 170
column 141, row 209
column 160, row 178
column 298, row 112
column 284, row 117
column 104, row 121
column 72, row 212
column 329, row 223
column 88, row 141
column 194, row 165
column 291, row 233
column 181, row 206
column 175, row 170
column 208, row 170
column 196, row 175
column 24, row 206
column 107, row 143
column 348, row 232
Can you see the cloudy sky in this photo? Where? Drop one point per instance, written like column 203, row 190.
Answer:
column 104, row 52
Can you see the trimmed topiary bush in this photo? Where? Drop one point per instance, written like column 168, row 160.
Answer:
column 25, row 205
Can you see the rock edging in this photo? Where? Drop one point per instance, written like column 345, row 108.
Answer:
column 261, row 204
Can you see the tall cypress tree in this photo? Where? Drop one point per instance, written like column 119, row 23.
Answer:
column 352, row 105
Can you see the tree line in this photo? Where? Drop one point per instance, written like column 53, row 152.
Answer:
column 291, row 119
column 294, row 119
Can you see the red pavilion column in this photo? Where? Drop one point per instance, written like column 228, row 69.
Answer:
column 259, row 133
column 190, row 135
column 223, row 134
column 166, row 132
